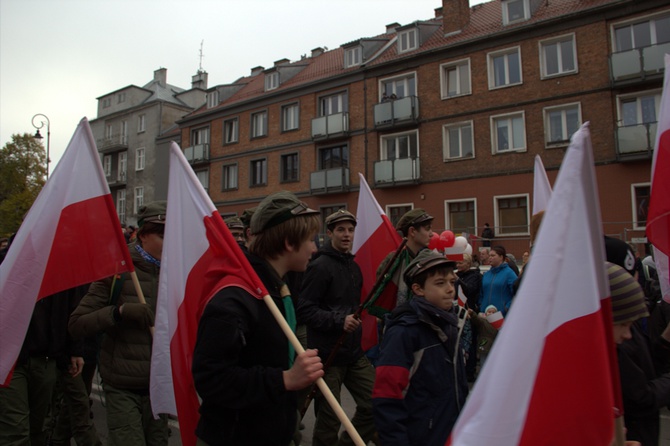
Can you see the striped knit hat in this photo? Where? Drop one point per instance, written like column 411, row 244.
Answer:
column 628, row 303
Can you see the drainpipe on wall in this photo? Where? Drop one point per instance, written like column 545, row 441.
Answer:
column 365, row 124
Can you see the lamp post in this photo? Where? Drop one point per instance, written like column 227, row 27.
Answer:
column 39, row 136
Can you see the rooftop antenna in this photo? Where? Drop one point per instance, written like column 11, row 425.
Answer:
column 201, row 56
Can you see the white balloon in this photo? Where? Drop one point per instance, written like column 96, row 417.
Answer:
column 460, row 242
column 468, row 249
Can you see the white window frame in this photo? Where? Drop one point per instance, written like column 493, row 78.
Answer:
column 272, row 81
column 491, row 67
column 109, row 132
column 228, row 182
column 383, row 141
column 563, row 108
column 107, row 165
column 404, row 80
column 235, row 125
column 447, row 214
column 259, row 124
column 123, row 166
column 389, row 210
column 498, row 224
column 124, row 132
column 460, row 126
column 326, row 103
column 203, row 177
column 506, row 15
column 637, row 96
column 139, row 199
column 510, row 119
column 463, row 82
column 106, row 102
column 634, row 205
column 652, row 19
column 263, row 173
column 121, row 204
column 353, row 56
column 559, row 40
column 290, row 117
column 140, row 158
column 121, row 97
column 408, row 40
column 212, row 99
column 141, row 123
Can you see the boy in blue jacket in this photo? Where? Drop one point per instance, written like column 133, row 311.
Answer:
column 421, row 384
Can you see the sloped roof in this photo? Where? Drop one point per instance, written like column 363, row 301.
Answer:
column 166, row 93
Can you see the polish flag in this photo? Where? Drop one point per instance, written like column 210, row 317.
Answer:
column 200, row 257
column 658, row 216
column 496, row 319
column 71, row 236
column 541, row 187
column 375, row 238
column 462, row 299
column 560, row 339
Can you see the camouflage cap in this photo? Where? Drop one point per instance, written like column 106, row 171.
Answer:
column 412, row 218
column 153, row 212
column 340, row 215
column 425, row 260
column 276, row 209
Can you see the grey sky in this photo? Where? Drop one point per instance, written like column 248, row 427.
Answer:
column 58, row 56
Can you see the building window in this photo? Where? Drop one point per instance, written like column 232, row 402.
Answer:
column 458, row 142
column 107, row 165
column 141, row 123
column 290, row 117
column 109, row 132
column 400, row 146
column 139, row 159
column 353, row 57
column 640, row 201
column 461, row 215
column 259, row 124
column 106, row 102
column 333, row 157
column 203, row 177
column 512, row 215
column 259, row 172
column 504, row 68
column 560, row 123
column 334, row 103
column 139, row 199
column 455, row 77
column 123, row 166
column 407, row 40
column 121, row 204
column 399, row 87
column 212, row 99
column 289, row 167
column 229, row 177
column 230, row 131
column 396, row 211
column 200, row 136
column 271, row 80
column 558, row 56
column 508, row 133
column 641, row 109
column 515, row 11
column 642, row 34
column 121, row 97
column 124, row 132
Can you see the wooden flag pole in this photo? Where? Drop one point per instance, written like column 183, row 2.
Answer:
column 323, row 387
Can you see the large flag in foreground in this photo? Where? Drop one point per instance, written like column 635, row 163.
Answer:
column 658, row 217
column 200, row 257
column 541, row 187
column 375, row 238
column 547, row 379
column 70, row 236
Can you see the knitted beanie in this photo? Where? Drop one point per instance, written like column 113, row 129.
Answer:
column 628, row 303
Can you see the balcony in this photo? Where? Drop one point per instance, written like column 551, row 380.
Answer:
column 113, row 143
column 397, row 171
column 330, row 126
column 329, row 180
column 638, row 64
column 197, row 154
column 118, row 180
column 634, row 142
column 397, row 112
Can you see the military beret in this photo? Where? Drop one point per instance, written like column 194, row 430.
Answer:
column 276, row 209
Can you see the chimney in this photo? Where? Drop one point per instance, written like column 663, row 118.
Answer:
column 390, row 28
column 317, row 51
column 199, row 80
column 438, row 12
column 160, row 76
column 455, row 15
column 257, row 70
column 281, row 62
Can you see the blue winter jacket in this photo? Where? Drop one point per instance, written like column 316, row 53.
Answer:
column 497, row 288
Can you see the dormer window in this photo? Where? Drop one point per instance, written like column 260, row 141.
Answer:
column 212, row 99
column 407, row 40
column 353, row 57
column 515, row 11
column 271, row 80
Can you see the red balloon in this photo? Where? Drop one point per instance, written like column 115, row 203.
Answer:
column 434, row 242
column 447, row 239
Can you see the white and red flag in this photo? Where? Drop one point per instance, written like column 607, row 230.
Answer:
column 658, row 216
column 199, row 257
column 496, row 319
column 375, row 238
column 462, row 298
column 541, row 187
column 549, row 369
column 70, row 236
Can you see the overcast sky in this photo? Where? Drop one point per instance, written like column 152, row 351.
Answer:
column 58, row 56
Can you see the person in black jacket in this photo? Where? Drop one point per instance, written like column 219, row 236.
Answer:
column 470, row 281
column 331, row 293
column 244, row 368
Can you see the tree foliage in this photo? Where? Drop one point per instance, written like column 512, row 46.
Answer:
column 22, row 176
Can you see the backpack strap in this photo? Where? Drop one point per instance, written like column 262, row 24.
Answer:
column 117, row 287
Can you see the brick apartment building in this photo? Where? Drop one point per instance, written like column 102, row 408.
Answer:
column 448, row 114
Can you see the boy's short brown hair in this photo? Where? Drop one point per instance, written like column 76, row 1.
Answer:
column 270, row 243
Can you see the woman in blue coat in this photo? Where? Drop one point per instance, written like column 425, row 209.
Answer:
column 498, row 282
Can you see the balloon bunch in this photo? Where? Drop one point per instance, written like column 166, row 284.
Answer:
column 452, row 246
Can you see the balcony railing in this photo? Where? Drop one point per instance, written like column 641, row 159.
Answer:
column 397, row 111
column 330, row 126
column 636, row 141
column 197, row 154
column 403, row 170
column 117, row 179
column 112, row 143
column 329, row 180
column 638, row 63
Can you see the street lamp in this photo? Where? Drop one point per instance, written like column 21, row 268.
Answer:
column 39, row 136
